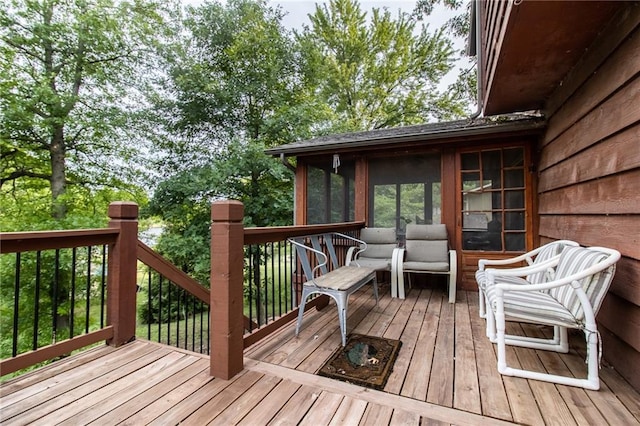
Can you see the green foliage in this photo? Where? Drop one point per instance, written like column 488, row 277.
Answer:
column 183, row 202
column 67, row 94
column 52, row 299
column 376, row 74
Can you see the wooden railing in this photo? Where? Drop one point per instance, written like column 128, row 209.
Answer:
column 227, row 322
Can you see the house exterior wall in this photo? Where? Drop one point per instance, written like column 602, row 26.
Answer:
column 589, row 176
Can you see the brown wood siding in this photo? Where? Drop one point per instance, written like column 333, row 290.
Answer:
column 589, row 175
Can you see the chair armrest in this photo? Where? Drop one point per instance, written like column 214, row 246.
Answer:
column 320, row 257
column 453, row 261
column 351, row 255
column 354, row 252
column 397, row 257
column 523, row 271
column 483, row 263
column 613, row 257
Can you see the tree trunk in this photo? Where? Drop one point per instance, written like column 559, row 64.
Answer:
column 58, row 173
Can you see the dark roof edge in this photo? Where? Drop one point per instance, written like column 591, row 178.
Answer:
column 421, row 133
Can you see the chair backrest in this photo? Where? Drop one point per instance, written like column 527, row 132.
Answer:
column 321, row 243
column 548, row 252
column 594, row 268
column 427, row 243
column 380, row 242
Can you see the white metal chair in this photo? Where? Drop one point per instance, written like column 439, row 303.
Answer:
column 571, row 299
column 537, row 256
column 426, row 252
column 338, row 283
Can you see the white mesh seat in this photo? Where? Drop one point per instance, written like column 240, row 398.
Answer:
column 571, row 299
column 537, row 256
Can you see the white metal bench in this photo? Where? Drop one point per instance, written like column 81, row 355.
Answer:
column 338, row 283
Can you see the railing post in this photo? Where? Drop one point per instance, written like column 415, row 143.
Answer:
column 226, row 327
column 121, row 278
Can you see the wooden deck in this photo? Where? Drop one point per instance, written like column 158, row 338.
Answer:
column 445, row 374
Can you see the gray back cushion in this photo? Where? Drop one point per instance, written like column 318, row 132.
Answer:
column 427, row 243
column 380, row 242
column 427, row 232
column 427, row 251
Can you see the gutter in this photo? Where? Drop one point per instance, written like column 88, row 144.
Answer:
column 286, row 163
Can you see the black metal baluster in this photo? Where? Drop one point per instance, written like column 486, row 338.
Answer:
column 273, row 284
column 159, row 308
column 103, row 285
column 193, row 325
column 36, row 307
column 16, row 305
column 168, row 312
column 177, row 317
column 250, row 288
column 88, row 304
column 73, row 292
column 201, row 326
column 265, row 278
column 149, row 307
column 56, row 277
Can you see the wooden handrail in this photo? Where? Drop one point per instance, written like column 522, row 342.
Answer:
column 14, row 242
column 281, row 233
column 167, row 269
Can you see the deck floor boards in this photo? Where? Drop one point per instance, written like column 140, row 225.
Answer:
column 445, row 374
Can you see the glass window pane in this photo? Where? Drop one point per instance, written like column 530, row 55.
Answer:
column 493, row 209
column 514, row 178
column 514, row 221
column 471, row 182
column 384, row 206
column 412, row 200
column 436, row 202
column 513, row 157
column 514, row 242
column 316, row 202
column 470, row 161
column 404, row 190
column 352, row 200
column 491, row 169
column 514, row 199
column 337, row 198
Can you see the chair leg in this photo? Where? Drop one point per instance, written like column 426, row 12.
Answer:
column 482, row 306
column 491, row 325
column 343, row 304
column 401, row 294
column 301, row 310
column 591, row 382
column 452, row 289
column 375, row 289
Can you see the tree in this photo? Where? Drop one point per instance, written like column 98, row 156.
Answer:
column 458, row 26
column 66, row 92
column 377, row 73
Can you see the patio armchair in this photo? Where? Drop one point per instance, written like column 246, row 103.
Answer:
column 570, row 299
column 426, row 251
column 331, row 279
column 537, row 256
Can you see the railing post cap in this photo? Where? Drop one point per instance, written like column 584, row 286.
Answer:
column 123, row 210
column 227, row 210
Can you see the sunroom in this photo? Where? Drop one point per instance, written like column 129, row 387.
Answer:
column 476, row 176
